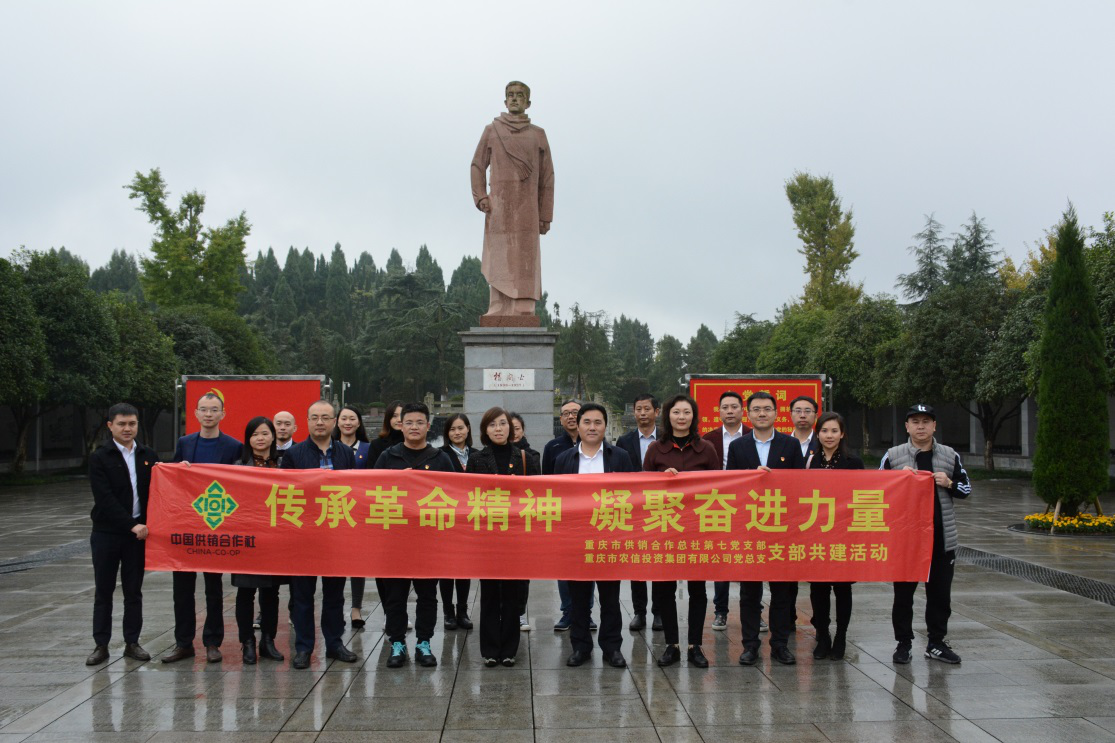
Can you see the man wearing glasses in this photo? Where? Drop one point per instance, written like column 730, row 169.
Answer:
column 207, row 446
column 319, row 451
column 766, row 449
column 803, row 413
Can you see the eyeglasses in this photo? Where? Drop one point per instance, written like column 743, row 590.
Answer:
column 802, row 411
column 320, row 418
column 569, row 414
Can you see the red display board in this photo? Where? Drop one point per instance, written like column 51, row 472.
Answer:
column 707, row 391
column 245, row 398
column 816, row 525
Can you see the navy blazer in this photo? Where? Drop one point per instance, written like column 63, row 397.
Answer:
column 307, row 456
column 554, row 449
column 785, row 453
column 629, row 442
column 615, row 460
column 112, row 487
column 228, row 449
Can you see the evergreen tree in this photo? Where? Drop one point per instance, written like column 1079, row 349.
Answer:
column 929, row 254
column 1070, row 464
column 1100, row 257
column 826, row 233
column 698, row 354
column 973, row 257
column 24, row 363
column 739, row 352
column 669, row 365
column 121, row 274
column 788, row 351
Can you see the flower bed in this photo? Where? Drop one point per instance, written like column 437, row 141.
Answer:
column 1084, row 523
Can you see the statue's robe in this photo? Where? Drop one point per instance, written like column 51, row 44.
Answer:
column 521, row 195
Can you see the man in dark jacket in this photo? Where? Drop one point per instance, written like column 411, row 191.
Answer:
column 766, row 449
column 562, row 443
column 120, row 477
column 593, row 455
column 207, row 446
column 415, row 453
column 319, row 451
column 635, row 443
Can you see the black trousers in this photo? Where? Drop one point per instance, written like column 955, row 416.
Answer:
column 302, row 590
column 610, row 634
column 357, row 585
column 463, row 586
column 394, row 593
column 938, row 600
column 185, row 610
column 662, row 595
column 783, row 612
column 500, row 602
column 819, row 599
column 112, row 554
column 720, row 590
column 268, row 612
column 639, row 598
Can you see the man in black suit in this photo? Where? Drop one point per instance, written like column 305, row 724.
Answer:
column 803, row 414
column 593, row 455
column 120, row 477
column 319, row 451
column 766, row 449
column 635, row 443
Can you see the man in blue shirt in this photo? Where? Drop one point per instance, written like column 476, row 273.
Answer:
column 207, row 446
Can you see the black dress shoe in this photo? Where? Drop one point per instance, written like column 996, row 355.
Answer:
column 462, row 618
column 98, row 656
column 212, row 654
column 249, row 652
column 341, row 653
column 135, row 652
column 824, row 645
column 670, row 656
column 615, row 659
column 783, row 655
column 450, row 622
column 697, row 657
column 656, row 623
column 748, row 657
column 301, row 660
column 179, row 653
column 638, row 622
column 578, row 658
column 267, row 649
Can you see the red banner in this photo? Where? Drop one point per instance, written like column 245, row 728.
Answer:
column 707, row 394
column 865, row 525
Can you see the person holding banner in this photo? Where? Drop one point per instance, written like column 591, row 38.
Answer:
column 413, row 454
column 831, row 454
column 501, row 601
column 680, row 449
column 207, row 446
column 730, row 411
column 319, row 451
column 766, row 449
column 593, row 455
column 803, row 414
column 259, row 451
column 553, row 449
column 519, row 439
column 646, row 408
column 284, row 431
column 350, row 432
column 922, row 452
column 458, row 445
column 120, row 478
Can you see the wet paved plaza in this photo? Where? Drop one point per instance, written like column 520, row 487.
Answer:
column 1039, row 662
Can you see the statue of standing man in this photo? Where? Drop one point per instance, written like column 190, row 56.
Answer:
column 518, row 204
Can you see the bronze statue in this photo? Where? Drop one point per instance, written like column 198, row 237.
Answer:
column 518, row 203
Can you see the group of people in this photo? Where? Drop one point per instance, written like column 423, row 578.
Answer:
column 666, row 440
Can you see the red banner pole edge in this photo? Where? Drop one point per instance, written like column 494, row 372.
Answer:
column 784, row 525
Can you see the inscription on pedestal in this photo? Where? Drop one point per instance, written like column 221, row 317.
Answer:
column 508, row 379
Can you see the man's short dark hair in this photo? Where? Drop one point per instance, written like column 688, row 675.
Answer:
column 730, row 393
column 570, row 400
column 761, row 395
column 588, row 406
column 321, row 402
column 647, row 396
column 804, row 398
column 415, row 407
column 121, row 408
column 215, row 396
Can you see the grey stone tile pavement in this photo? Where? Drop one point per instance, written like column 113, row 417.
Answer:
column 1039, row 662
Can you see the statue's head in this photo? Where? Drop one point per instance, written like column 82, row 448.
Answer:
column 518, row 97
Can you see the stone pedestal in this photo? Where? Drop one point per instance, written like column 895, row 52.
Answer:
column 514, row 369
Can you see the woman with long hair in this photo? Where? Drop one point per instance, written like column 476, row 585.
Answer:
column 259, row 451
column 833, row 455
column 680, row 448
column 501, row 601
column 350, row 432
column 390, row 434
column 458, row 445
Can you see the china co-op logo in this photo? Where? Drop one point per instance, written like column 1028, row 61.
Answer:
column 215, row 504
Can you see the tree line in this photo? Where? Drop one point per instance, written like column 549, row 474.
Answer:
column 966, row 329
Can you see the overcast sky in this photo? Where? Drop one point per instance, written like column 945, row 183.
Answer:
column 673, row 127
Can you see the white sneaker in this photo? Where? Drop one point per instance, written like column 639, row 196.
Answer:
column 524, row 625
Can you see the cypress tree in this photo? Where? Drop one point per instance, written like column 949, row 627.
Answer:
column 1070, row 463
